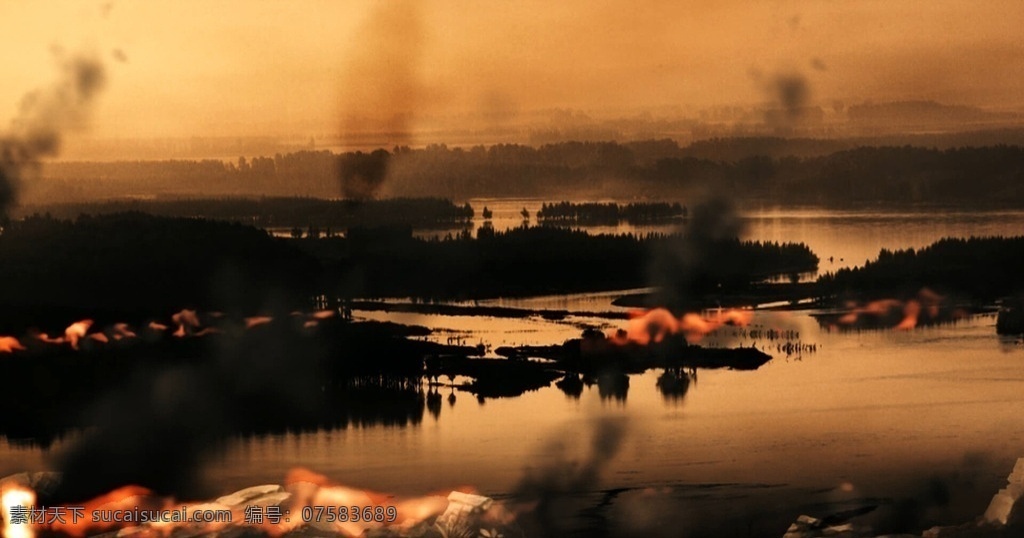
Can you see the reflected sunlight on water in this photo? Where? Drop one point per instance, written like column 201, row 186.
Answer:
column 864, row 403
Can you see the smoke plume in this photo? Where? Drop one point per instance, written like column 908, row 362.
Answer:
column 44, row 116
column 788, row 94
column 556, row 487
column 382, row 90
column 167, row 418
column 792, row 92
column 691, row 264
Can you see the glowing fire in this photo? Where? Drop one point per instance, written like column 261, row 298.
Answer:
column 10, row 344
column 257, row 320
column 301, row 501
column 656, row 324
column 77, row 331
column 122, row 330
column 312, row 490
column 45, row 338
column 124, row 498
column 186, row 321
column 925, row 306
column 12, row 497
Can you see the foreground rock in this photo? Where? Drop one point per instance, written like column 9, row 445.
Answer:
column 1003, row 518
column 297, row 510
column 1004, row 504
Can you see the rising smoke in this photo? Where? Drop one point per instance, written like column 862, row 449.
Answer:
column 556, row 488
column 691, row 263
column 382, row 91
column 791, row 92
column 787, row 94
column 43, row 118
column 163, row 422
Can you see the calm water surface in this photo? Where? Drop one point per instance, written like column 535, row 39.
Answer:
column 870, row 415
column 848, row 237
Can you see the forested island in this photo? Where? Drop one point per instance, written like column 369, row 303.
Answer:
column 980, row 268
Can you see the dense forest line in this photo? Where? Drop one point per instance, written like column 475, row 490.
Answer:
column 133, row 264
column 594, row 213
column 982, row 269
column 268, row 212
column 752, row 170
column 540, row 260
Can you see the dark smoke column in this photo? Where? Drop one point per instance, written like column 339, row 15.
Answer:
column 45, row 115
column 382, row 91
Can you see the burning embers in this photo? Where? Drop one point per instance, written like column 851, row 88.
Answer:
column 309, row 503
column 183, row 324
column 653, row 326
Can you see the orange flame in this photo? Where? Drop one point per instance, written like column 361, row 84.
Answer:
column 654, row 325
column 305, row 492
column 186, row 323
column 926, row 305
column 314, row 319
column 45, row 338
column 257, row 320
column 311, row 489
column 11, row 497
column 125, row 498
column 122, row 330
column 77, row 331
column 10, row 344
column 186, row 320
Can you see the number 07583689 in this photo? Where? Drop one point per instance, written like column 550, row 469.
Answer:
column 353, row 514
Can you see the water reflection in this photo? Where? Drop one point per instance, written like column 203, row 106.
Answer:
column 674, row 383
column 371, row 401
column 434, row 403
column 571, row 385
column 613, row 386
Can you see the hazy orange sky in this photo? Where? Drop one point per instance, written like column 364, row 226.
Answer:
column 309, row 67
